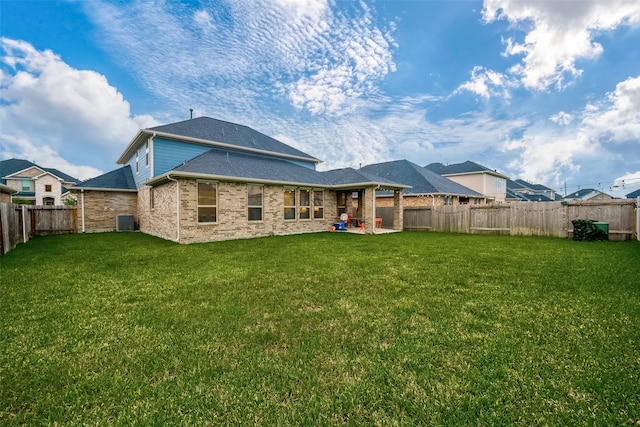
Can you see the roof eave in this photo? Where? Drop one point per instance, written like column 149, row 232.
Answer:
column 165, row 177
column 136, row 141
column 123, row 190
column 180, row 174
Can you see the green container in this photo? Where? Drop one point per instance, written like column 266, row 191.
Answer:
column 602, row 226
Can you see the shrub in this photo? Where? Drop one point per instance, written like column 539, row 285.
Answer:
column 585, row 230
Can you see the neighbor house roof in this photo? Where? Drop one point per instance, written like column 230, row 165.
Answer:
column 633, row 194
column 524, row 197
column 11, row 166
column 248, row 167
column 524, row 184
column 584, row 194
column 464, row 168
column 217, row 133
column 118, row 179
column 421, row 180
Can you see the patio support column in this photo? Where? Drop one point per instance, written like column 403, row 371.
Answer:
column 398, row 210
column 368, row 196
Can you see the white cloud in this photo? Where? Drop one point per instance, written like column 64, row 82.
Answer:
column 318, row 59
column 562, row 118
column 43, row 155
column 601, row 128
column 64, row 112
column 486, row 83
column 618, row 118
column 628, row 182
column 558, row 34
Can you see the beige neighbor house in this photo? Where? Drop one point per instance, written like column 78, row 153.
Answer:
column 488, row 182
column 589, row 194
column 427, row 187
column 33, row 184
column 204, row 180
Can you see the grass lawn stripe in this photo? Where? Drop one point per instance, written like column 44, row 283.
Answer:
column 320, row 329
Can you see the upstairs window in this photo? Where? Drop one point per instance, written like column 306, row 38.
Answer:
column 290, row 204
column 26, row 185
column 254, row 202
column 137, row 161
column 305, row 204
column 47, row 188
column 207, row 202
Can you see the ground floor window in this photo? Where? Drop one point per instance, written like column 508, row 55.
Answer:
column 207, row 202
column 318, row 204
column 254, row 202
column 290, row 204
column 305, row 204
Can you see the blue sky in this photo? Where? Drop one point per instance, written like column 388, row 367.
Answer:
column 547, row 91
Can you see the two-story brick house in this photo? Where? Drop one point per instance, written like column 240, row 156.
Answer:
column 34, row 184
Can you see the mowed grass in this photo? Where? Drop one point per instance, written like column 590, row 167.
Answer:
column 320, row 329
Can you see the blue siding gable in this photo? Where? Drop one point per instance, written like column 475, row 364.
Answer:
column 168, row 154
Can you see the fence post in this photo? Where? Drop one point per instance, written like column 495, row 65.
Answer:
column 25, row 236
column 638, row 218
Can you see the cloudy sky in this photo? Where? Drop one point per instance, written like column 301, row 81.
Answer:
column 547, row 91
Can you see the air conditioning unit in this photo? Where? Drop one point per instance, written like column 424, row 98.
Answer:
column 124, row 222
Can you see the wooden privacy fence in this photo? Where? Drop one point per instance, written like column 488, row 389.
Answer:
column 525, row 218
column 18, row 223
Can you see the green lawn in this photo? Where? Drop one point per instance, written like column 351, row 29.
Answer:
column 320, row 329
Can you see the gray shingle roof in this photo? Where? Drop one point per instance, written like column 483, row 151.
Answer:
column 118, row 179
column 11, row 166
column 525, row 184
column 633, row 194
column 233, row 165
column 246, row 166
column 421, row 180
column 215, row 130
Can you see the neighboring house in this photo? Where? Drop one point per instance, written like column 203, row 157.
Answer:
column 427, row 187
column 35, row 184
column 5, row 193
column 485, row 181
column 633, row 194
column 205, row 179
column 588, row 194
column 521, row 190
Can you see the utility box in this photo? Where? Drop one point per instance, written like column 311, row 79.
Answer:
column 125, row 222
column 602, row 226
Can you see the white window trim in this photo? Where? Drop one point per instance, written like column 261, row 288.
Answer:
column 217, row 205
column 294, row 206
column 255, row 206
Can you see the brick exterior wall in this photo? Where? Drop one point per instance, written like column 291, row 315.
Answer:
column 102, row 207
column 421, row 201
column 232, row 213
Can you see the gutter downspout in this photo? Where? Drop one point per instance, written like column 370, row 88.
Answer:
column 82, row 208
column 177, row 206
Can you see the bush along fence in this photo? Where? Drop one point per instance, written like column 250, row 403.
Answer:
column 526, row 218
column 18, row 223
